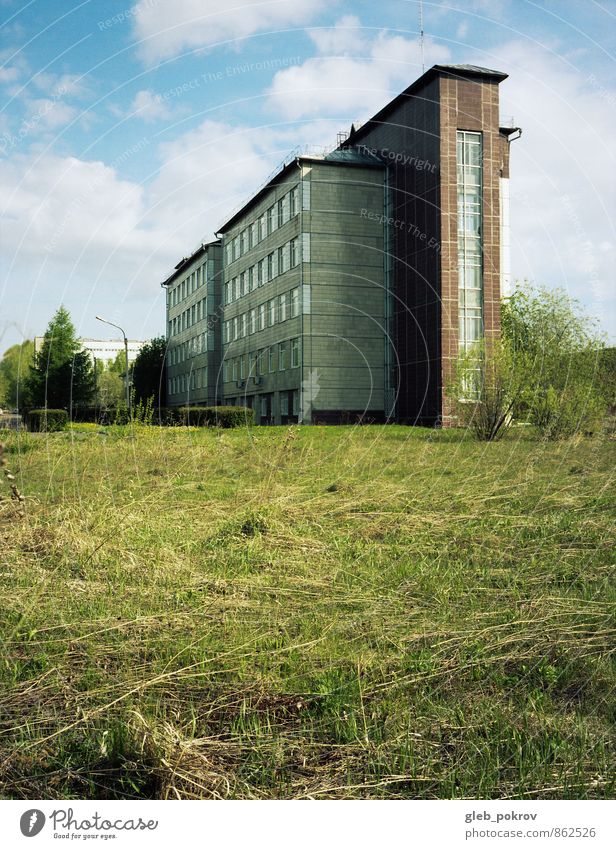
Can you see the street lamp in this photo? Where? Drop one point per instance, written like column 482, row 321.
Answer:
column 104, row 320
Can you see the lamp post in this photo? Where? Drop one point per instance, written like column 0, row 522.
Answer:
column 104, row 320
column 96, row 395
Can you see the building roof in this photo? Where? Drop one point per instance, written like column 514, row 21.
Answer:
column 336, row 157
column 187, row 260
column 462, row 71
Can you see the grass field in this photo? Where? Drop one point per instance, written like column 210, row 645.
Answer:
column 377, row 612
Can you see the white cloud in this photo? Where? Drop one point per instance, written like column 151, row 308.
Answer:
column 345, row 36
column 167, row 29
column 9, row 73
column 151, row 107
column 61, row 85
column 563, row 171
column 45, row 113
column 462, row 30
column 374, row 68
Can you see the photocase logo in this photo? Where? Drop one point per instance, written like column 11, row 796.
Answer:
column 32, row 822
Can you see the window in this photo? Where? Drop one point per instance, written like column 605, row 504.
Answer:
column 294, row 258
column 261, row 316
column 281, row 268
column 251, row 278
column 228, row 252
column 227, row 292
column 295, row 302
column 244, row 324
column 252, row 235
column 271, row 359
column 225, row 331
column 282, row 307
column 294, row 353
column 280, row 213
column 284, row 403
column 260, row 266
column 243, row 241
column 236, row 247
column 282, row 356
column 271, row 221
column 470, row 277
column 262, row 227
column 270, row 266
column 226, row 371
column 271, row 312
column 234, row 289
column 261, row 362
column 252, row 320
column 293, row 202
column 242, row 283
column 236, row 368
column 235, row 329
column 242, row 367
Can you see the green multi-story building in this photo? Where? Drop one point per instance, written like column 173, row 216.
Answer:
column 193, row 342
column 304, row 294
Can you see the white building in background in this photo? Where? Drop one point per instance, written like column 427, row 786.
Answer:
column 103, row 350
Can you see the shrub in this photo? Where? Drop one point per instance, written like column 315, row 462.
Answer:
column 216, row 416
column 484, row 391
column 47, row 421
column 561, row 414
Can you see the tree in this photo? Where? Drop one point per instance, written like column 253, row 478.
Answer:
column 14, row 369
column 557, row 353
column 61, row 375
column 149, row 372
column 110, row 389
column 549, row 369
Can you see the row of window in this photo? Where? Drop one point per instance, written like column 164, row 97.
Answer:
column 265, row 315
column 187, row 286
column 271, row 266
column 288, row 404
column 195, row 379
column 277, row 215
column 180, row 353
column 197, row 312
column 277, row 357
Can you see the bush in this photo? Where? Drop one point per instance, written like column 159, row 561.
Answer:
column 483, row 391
column 216, row 416
column 47, row 421
column 559, row 415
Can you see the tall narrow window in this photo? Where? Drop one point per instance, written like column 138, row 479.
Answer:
column 470, row 269
column 294, row 302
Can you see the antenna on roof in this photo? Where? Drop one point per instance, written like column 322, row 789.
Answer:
column 421, row 37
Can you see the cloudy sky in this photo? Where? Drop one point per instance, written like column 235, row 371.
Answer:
column 129, row 133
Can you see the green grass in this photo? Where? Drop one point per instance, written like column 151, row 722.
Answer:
column 377, row 612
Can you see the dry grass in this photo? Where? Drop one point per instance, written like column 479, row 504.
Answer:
column 307, row 613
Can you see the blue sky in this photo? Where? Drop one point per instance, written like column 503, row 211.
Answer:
column 128, row 133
